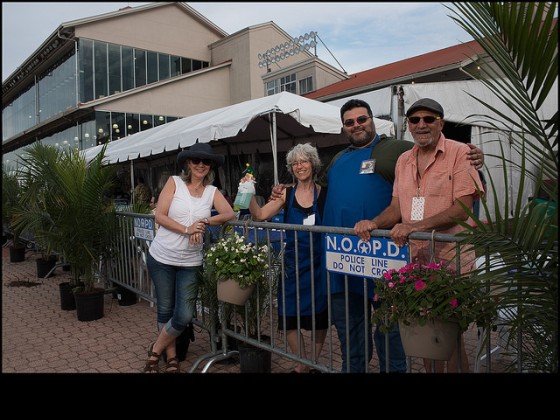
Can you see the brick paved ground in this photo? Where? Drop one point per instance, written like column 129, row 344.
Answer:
column 39, row 337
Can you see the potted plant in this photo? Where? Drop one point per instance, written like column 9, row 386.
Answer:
column 73, row 214
column 34, row 214
column 235, row 267
column 46, row 262
column 238, row 266
column 431, row 304
column 12, row 192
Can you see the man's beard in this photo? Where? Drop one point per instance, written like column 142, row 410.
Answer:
column 364, row 139
column 425, row 143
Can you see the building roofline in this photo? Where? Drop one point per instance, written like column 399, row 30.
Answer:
column 453, row 57
column 64, row 33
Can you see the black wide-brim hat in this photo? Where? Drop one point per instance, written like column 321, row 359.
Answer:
column 201, row 151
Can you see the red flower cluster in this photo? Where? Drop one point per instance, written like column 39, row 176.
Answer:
column 425, row 291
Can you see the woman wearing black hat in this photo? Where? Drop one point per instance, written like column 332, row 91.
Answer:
column 175, row 254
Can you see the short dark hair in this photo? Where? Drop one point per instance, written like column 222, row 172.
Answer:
column 354, row 103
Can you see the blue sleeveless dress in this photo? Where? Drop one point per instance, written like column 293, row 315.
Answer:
column 295, row 214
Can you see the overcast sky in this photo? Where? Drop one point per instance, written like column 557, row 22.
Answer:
column 360, row 36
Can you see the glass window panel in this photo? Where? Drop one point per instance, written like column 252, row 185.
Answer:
column 114, row 69
column 68, row 71
column 132, row 124
column 288, row 83
column 146, row 122
column 175, row 65
column 305, row 85
column 164, row 66
column 152, row 60
column 102, row 126
column 85, row 66
column 196, row 65
column 117, row 125
column 140, row 67
column 57, row 88
column 127, row 68
column 101, row 70
column 44, row 90
column 88, row 135
column 273, row 87
column 20, row 114
column 186, row 65
column 159, row 120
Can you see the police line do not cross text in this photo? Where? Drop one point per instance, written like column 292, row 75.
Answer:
column 350, row 255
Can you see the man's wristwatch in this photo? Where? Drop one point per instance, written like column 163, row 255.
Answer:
column 206, row 221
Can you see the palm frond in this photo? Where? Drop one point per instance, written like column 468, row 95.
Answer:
column 521, row 41
column 520, row 243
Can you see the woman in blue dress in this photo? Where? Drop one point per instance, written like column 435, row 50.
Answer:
column 303, row 204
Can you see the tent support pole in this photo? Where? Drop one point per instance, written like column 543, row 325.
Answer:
column 132, row 182
column 273, row 141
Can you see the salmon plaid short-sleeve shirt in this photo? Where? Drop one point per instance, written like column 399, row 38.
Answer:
column 448, row 176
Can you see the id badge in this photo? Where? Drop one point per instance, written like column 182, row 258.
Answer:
column 417, row 212
column 368, row 166
column 309, row 220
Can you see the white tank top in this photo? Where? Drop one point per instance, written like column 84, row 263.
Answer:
column 172, row 248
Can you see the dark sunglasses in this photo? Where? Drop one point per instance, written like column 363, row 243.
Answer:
column 427, row 119
column 359, row 120
column 196, row 161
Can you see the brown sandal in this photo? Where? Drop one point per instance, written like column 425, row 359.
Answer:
column 172, row 366
column 152, row 366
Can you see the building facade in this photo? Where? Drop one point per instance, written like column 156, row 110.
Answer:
column 101, row 78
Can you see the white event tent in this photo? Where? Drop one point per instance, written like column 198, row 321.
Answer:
column 265, row 124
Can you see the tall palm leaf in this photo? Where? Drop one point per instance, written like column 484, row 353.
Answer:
column 68, row 206
column 521, row 41
column 36, row 173
column 13, row 188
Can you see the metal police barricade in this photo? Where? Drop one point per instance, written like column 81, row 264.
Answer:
column 271, row 331
column 344, row 254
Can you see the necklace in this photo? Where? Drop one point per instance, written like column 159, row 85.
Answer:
column 197, row 191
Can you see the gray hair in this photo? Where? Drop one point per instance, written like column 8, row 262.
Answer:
column 306, row 152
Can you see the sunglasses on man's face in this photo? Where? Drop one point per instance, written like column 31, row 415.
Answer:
column 429, row 119
column 196, row 161
column 359, row 120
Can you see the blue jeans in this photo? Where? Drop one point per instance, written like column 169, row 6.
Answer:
column 176, row 293
column 397, row 357
column 357, row 334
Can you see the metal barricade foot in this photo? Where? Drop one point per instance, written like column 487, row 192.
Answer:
column 214, row 357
